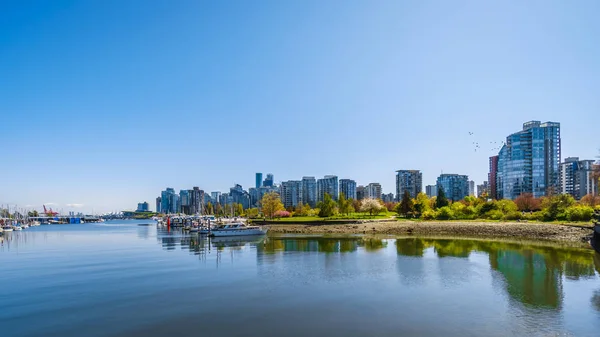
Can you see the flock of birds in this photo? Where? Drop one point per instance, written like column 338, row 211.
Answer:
column 496, row 145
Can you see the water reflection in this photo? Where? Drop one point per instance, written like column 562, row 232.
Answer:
column 532, row 275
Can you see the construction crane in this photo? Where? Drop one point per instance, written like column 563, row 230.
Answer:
column 49, row 212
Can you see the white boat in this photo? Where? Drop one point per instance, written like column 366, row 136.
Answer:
column 17, row 228
column 7, row 228
column 35, row 223
column 237, row 229
column 24, row 226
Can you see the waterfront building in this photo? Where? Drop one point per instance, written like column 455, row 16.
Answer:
column 374, row 190
column 239, row 196
column 471, row 188
column 291, row 193
column 483, row 189
column 143, row 207
column 576, row 177
column 408, row 180
column 529, row 161
column 431, row 191
column 348, row 187
column 169, row 201
column 455, row 186
column 329, row 185
column 389, row 197
column 268, row 181
column 184, row 199
column 224, row 199
column 309, row 191
column 216, row 196
column 493, row 177
column 197, row 200
column 158, row 200
column 254, row 196
column 259, row 180
column 361, row 192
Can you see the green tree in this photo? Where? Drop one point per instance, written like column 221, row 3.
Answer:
column 345, row 205
column 327, row 206
column 422, row 204
column 441, row 200
column 238, row 209
column 252, row 213
column 406, row 206
column 270, row 204
column 555, row 207
column 209, row 208
column 33, row 213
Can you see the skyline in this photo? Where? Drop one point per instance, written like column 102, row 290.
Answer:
column 110, row 102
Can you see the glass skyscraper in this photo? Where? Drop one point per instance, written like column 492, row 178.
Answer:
column 348, row 187
column 455, row 186
column 529, row 161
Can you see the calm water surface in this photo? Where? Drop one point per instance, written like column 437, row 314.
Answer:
column 123, row 279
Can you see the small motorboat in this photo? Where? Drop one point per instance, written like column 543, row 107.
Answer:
column 7, row 228
column 17, row 228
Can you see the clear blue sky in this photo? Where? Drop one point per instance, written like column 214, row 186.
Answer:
column 106, row 103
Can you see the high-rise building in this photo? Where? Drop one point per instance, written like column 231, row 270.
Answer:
column 329, row 185
column 374, row 190
column 529, row 161
column 258, row 180
column 239, row 196
column 197, row 200
column 471, row 188
column 455, row 186
column 431, row 190
column 493, row 177
column 309, row 191
column 576, row 177
column 169, row 201
column 291, row 193
column 389, row 197
column 143, row 207
column 408, row 180
column 348, row 187
column 158, row 199
column 361, row 192
column 483, row 189
column 268, row 181
column 184, row 199
column 216, row 196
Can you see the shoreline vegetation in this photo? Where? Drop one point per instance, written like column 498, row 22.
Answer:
column 571, row 233
column 557, row 217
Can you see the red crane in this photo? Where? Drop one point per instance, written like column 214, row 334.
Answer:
column 49, row 212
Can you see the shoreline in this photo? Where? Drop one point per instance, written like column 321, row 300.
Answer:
column 489, row 230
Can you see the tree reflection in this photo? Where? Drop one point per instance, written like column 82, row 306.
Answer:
column 532, row 274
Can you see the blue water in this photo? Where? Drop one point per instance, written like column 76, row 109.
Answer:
column 123, row 279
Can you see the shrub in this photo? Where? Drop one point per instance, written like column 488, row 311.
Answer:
column 534, row 216
column 445, row 213
column 487, row 207
column 513, row 215
column 494, row 214
column 429, row 214
column 579, row 213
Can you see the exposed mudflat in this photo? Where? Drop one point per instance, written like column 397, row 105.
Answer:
column 537, row 231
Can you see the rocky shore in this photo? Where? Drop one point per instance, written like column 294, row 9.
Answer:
column 535, row 231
